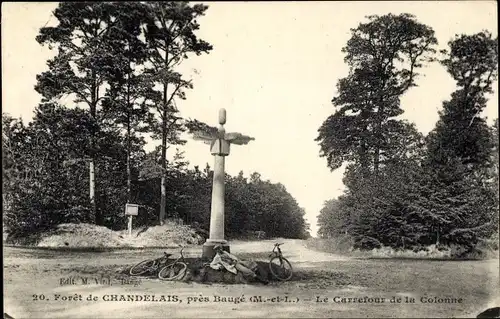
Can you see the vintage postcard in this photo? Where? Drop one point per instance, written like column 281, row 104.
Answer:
column 258, row 159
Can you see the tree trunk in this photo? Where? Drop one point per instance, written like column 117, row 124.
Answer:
column 378, row 139
column 163, row 201
column 437, row 237
column 93, row 113
column 129, row 144
column 92, row 190
column 129, row 170
column 378, row 125
column 364, row 162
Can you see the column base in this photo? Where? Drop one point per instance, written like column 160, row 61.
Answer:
column 208, row 248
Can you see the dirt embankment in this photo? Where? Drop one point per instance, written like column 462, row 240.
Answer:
column 83, row 235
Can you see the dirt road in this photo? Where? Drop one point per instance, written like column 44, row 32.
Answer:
column 51, row 284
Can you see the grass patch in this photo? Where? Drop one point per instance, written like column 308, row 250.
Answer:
column 344, row 246
column 341, row 246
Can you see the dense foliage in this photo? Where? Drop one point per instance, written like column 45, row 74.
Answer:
column 119, row 61
column 383, row 55
column 405, row 190
column 46, row 182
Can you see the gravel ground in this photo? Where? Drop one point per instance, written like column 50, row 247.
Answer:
column 320, row 282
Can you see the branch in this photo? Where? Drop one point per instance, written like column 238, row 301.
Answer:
column 101, row 98
column 487, row 81
column 174, row 57
column 78, row 93
column 175, row 91
column 108, row 27
column 180, row 31
column 152, row 60
column 174, row 121
column 157, row 106
column 472, row 120
column 461, row 230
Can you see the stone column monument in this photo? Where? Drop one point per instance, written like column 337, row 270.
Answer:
column 219, row 148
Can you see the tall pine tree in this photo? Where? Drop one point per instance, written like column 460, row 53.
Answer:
column 85, row 39
column 171, row 38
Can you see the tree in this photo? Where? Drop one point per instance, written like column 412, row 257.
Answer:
column 383, row 55
column 378, row 210
column 49, row 154
column 125, row 104
column 461, row 132
column 85, row 41
column 459, row 161
column 258, row 205
column 170, row 36
column 330, row 219
column 495, row 171
column 48, row 190
column 13, row 161
column 495, row 156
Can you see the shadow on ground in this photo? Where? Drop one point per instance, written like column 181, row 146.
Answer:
column 199, row 272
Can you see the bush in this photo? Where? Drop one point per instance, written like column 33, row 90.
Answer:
column 429, row 252
column 367, row 243
column 345, row 245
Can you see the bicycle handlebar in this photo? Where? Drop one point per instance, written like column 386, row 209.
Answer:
column 168, row 255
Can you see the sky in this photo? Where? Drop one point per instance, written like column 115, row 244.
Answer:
column 274, row 67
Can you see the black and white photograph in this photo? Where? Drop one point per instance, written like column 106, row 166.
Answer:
column 250, row 159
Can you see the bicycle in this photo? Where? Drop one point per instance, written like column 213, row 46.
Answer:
column 175, row 270
column 150, row 266
column 279, row 266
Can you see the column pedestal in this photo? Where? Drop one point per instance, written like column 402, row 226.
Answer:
column 208, row 248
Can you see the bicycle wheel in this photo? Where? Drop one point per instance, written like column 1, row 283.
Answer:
column 174, row 271
column 143, row 267
column 280, row 268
